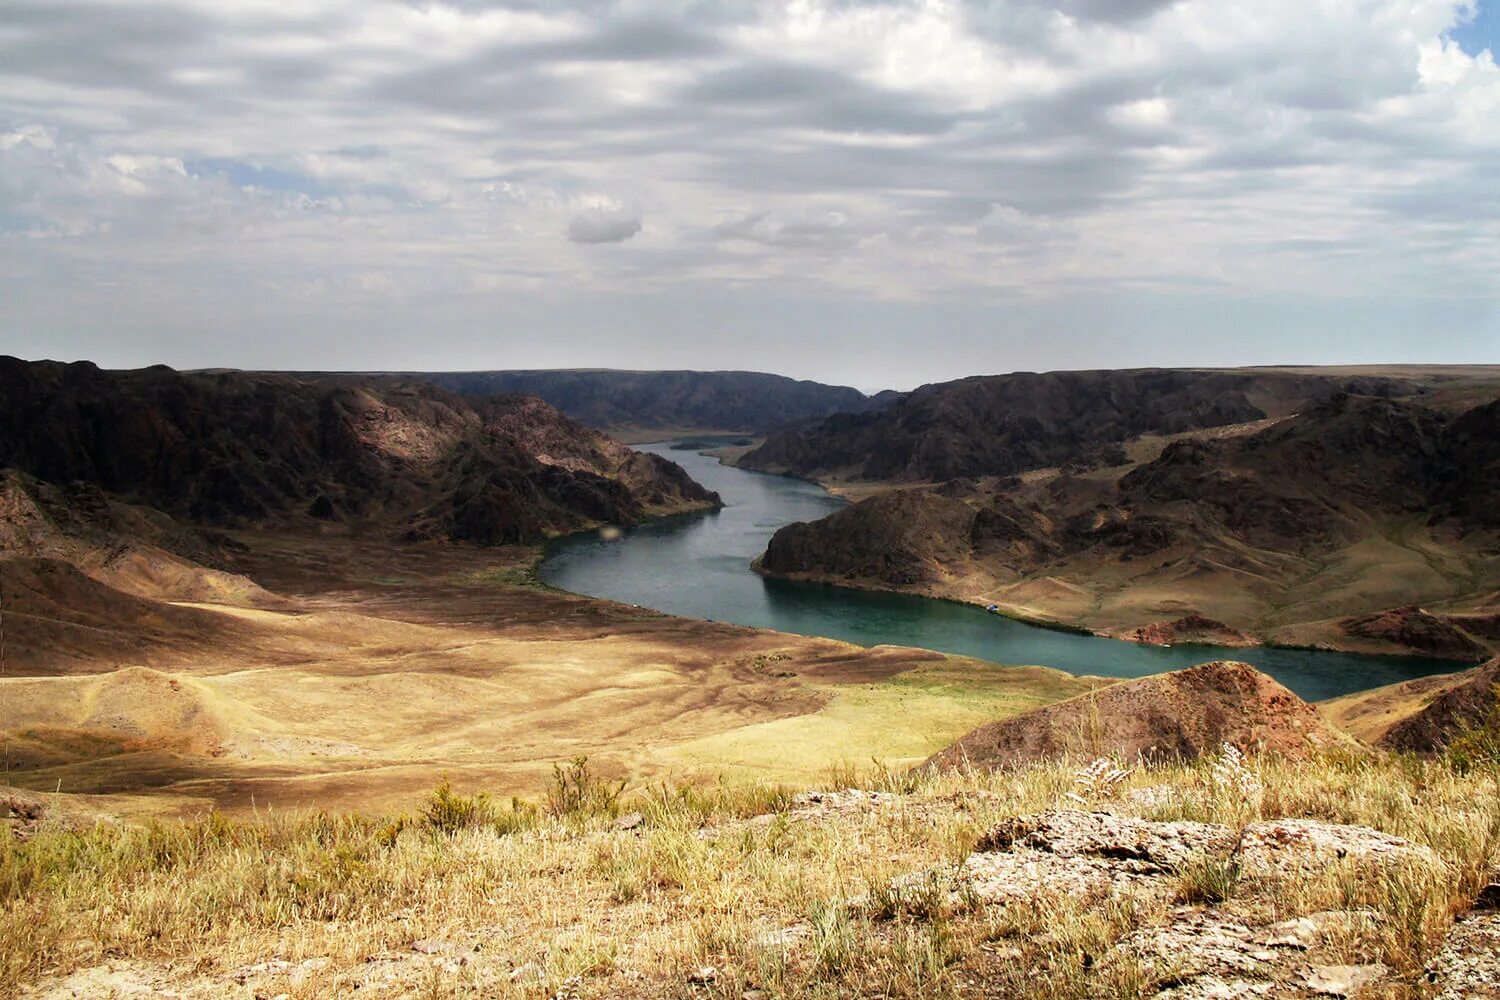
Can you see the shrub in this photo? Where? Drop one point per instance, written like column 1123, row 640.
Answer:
column 447, row 812
column 577, row 790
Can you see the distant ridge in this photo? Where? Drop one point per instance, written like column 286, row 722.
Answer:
column 622, row 401
column 237, row 449
column 999, row 425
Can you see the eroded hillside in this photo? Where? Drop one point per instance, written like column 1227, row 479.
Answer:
column 242, row 449
column 1295, row 529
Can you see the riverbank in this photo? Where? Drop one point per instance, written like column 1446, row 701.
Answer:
column 1105, row 574
column 700, row 567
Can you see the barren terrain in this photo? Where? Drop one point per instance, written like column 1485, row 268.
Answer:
column 381, row 666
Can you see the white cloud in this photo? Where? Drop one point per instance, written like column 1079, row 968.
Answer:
column 924, row 151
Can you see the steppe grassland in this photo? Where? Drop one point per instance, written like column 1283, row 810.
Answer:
column 901, row 721
column 550, row 898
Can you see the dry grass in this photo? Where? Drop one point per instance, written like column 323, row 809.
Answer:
column 552, row 899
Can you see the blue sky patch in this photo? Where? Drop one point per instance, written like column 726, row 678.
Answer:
column 1483, row 32
column 243, row 174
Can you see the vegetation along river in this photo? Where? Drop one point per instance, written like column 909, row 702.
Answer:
column 699, row 566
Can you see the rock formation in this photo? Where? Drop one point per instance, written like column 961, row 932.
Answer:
column 241, row 449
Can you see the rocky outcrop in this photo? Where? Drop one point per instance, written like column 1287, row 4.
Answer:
column 1467, row 966
column 1189, row 628
column 1181, row 715
column 239, row 449
column 1185, row 950
column 1422, row 716
column 1410, row 627
column 1469, row 702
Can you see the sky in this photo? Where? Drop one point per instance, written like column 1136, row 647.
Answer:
column 870, row 192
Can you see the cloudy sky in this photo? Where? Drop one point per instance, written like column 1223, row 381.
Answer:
column 878, row 193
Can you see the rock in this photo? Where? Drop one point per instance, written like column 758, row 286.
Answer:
column 1192, row 952
column 1214, row 988
column 1195, row 943
column 1489, row 896
column 1208, row 955
column 1342, row 980
column 1189, row 628
column 1291, row 848
column 1467, row 966
column 1299, row 932
column 1024, row 875
column 814, row 804
column 783, row 937
column 629, row 821
column 1156, row 847
column 1078, row 853
column 430, row 946
column 1413, row 628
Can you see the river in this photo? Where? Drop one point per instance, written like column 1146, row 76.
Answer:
column 698, row 566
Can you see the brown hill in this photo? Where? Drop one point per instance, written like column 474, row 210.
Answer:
column 1004, row 424
column 1411, row 627
column 1423, row 715
column 236, row 449
column 1351, row 507
column 60, row 621
column 1185, row 714
column 130, row 548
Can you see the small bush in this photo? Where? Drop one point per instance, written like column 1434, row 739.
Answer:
column 447, row 812
column 577, row 791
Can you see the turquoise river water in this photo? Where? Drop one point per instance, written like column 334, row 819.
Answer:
column 699, row 566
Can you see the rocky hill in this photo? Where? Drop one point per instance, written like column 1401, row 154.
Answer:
column 1182, row 715
column 625, row 401
column 239, row 449
column 1353, row 506
column 1004, row 424
column 1424, row 715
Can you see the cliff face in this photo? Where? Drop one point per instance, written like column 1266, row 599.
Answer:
column 1004, row 424
column 622, row 400
column 237, row 449
column 1382, row 495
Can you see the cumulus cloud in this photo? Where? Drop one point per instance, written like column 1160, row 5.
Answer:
column 604, row 225
column 922, row 151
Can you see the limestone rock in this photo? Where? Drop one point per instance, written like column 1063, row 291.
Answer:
column 1467, row 966
column 1067, row 833
column 1289, row 848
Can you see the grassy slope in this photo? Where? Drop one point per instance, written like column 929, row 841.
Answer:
column 386, row 665
column 558, row 902
column 900, row 721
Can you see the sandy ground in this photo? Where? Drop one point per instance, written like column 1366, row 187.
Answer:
column 389, row 666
